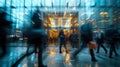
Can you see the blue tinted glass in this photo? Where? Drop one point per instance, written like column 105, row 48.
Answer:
column 74, row 2
column 2, row 2
column 16, row 2
column 102, row 2
column 48, row 2
column 56, row 2
column 64, row 3
column 28, row 3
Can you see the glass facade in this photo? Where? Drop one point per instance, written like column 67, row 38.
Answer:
column 103, row 12
column 55, row 15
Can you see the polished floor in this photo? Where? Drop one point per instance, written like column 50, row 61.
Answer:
column 52, row 57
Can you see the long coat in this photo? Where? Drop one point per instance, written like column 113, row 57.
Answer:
column 86, row 32
column 111, row 35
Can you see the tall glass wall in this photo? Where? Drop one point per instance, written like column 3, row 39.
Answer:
column 103, row 12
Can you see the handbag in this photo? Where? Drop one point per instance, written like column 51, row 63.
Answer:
column 92, row 45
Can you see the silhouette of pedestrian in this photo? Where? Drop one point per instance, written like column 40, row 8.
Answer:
column 37, row 37
column 87, row 37
column 62, row 40
column 100, row 40
column 4, row 25
column 111, row 35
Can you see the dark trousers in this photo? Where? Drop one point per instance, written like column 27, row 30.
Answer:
column 4, row 50
column 92, row 54
column 90, row 50
column 101, row 45
column 112, row 49
column 63, row 45
column 40, row 60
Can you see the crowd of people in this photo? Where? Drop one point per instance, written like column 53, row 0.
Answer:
column 109, row 36
column 38, row 37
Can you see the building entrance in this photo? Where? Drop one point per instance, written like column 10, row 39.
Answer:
column 55, row 22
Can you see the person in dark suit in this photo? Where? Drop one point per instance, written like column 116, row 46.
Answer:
column 37, row 37
column 62, row 40
column 111, row 35
column 4, row 25
column 86, row 38
column 100, row 41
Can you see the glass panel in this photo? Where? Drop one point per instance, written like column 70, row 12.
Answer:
column 36, row 2
column 87, row 2
column 18, row 17
column 103, row 19
column 15, row 2
column 56, row 2
column 92, row 2
column 2, row 2
column 21, row 2
column 28, row 3
column 72, row 2
column 109, row 2
column 118, row 3
column 8, row 3
column 48, row 2
column 64, row 3
column 102, row 2
column 82, row 2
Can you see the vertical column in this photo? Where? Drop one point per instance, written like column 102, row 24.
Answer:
column 96, row 13
column 110, row 12
column 79, row 14
column 111, row 16
column 10, row 10
column 5, row 5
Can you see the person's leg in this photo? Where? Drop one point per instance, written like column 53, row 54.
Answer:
column 60, row 48
column 98, row 48
column 104, row 48
column 92, row 55
column 115, row 50
column 110, row 51
column 65, row 47
column 40, row 60
column 80, row 49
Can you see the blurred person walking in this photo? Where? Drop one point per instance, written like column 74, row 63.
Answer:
column 87, row 38
column 111, row 36
column 100, row 41
column 37, row 37
column 4, row 25
column 62, row 40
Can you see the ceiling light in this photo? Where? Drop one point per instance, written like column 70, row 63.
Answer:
column 74, row 8
column 45, row 8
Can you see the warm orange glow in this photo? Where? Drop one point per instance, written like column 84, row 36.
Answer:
column 70, row 15
column 64, row 13
column 70, row 18
column 103, row 13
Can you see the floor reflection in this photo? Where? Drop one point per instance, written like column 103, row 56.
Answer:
column 52, row 58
